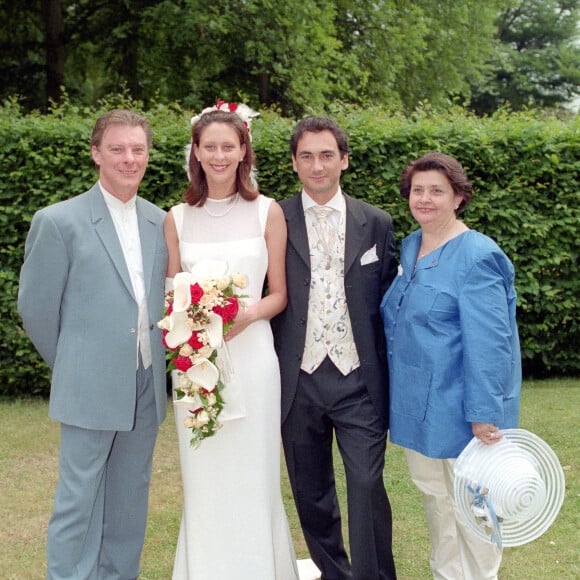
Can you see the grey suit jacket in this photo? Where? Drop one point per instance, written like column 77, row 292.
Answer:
column 365, row 284
column 76, row 301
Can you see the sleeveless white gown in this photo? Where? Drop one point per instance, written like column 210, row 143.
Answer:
column 233, row 525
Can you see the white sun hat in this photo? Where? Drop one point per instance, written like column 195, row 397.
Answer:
column 509, row 493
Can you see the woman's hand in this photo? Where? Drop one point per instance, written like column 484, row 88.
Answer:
column 487, row 433
column 243, row 319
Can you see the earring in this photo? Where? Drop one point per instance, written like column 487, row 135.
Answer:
column 456, row 207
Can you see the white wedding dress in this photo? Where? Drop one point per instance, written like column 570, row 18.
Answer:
column 234, row 526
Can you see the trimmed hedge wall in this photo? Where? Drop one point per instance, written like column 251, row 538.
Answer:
column 524, row 168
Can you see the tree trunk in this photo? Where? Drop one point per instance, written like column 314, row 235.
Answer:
column 264, row 89
column 54, row 49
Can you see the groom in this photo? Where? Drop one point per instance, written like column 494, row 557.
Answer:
column 330, row 341
column 91, row 292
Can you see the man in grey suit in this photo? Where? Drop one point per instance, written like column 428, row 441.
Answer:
column 330, row 341
column 91, row 293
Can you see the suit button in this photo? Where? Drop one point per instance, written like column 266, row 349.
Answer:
column 302, row 321
column 306, row 282
column 133, row 330
column 151, row 327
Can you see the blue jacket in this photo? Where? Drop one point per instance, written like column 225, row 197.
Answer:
column 452, row 344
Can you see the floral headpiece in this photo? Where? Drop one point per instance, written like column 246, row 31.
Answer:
column 242, row 111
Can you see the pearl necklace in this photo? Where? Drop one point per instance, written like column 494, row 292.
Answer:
column 232, row 203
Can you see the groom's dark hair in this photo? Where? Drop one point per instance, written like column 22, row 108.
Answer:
column 314, row 124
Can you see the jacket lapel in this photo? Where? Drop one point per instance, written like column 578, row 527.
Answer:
column 297, row 235
column 148, row 237
column 354, row 233
column 105, row 229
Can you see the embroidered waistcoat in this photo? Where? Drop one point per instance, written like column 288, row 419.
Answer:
column 328, row 331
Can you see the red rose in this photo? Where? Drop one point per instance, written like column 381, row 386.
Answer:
column 182, row 363
column 196, row 292
column 165, row 344
column 194, row 341
column 170, row 308
column 220, row 311
column 229, row 310
column 232, row 307
column 232, row 107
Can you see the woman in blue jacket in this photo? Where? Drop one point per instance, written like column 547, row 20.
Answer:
column 453, row 352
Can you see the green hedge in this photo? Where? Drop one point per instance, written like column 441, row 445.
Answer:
column 524, row 168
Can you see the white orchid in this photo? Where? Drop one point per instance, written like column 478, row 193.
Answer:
column 205, row 374
column 214, row 330
column 179, row 329
column 181, row 291
column 208, row 270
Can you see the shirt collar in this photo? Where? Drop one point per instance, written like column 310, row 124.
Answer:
column 115, row 203
column 336, row 203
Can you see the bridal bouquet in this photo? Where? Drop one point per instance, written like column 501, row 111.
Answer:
column 198, row 312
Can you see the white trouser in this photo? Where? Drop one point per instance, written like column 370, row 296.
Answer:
column 457, row 552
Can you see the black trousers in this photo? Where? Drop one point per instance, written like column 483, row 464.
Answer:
column 327, row 404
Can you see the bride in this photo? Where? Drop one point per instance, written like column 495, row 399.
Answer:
column 233, row 523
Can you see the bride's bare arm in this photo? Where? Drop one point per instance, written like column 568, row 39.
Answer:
column 276, row 299
column 276, row 239
column 172, row 242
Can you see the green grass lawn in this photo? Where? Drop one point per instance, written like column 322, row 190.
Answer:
column 28, row 471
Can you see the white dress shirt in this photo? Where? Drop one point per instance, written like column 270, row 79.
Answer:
column 124, row 215
column 337, row 203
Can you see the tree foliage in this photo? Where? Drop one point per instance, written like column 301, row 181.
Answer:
column 294, row 56
column 22, row 56
column 537, row 61
column 419, row 51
